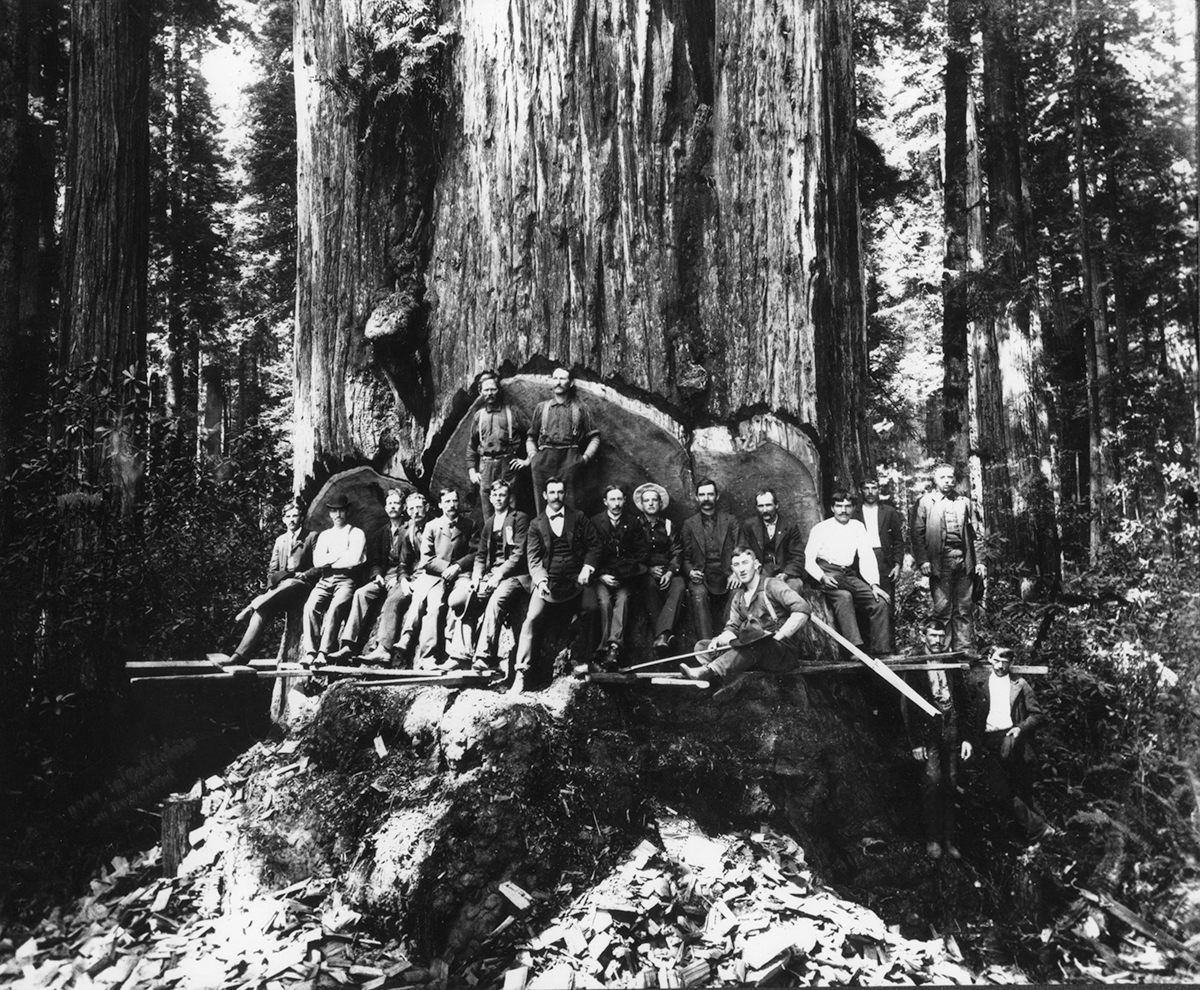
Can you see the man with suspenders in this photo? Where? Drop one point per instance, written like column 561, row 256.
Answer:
column 497, row 438
column 561, row 441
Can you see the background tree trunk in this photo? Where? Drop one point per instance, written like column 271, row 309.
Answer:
column 105, row 224
column 663, row 197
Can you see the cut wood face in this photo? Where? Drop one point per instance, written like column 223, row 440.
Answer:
column 640, row 443
column 366, row 490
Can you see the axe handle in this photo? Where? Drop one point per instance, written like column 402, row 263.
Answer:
column 879, row 668
column 683, row 656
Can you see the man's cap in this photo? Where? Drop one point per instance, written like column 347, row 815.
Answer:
column 338, row 502
column 651, row 486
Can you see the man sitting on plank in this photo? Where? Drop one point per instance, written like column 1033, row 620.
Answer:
column 498, row 581
column 290, row 577
column 393, row 559
column 339, row 553
column 761, row 605
column 835, row 546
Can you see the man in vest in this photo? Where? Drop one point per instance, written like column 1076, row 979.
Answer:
column 496, row 442
column 339, row 553
column 399, row 591
column 708, row 541
column 885, row 532
column 944, row 548
column 561, row 440
column 447, row 548
column 498, row 580
column 776, row 541
column 663, row 583
column 563, row 551
column 762, row 606
column 290, row 578
column 1005, row 714
column 937, row 745
column 622, row 564
column 383, row 576
column 839, row 558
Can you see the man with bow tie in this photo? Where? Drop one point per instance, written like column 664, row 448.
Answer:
column 563, row 551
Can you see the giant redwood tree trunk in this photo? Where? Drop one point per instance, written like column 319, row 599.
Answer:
column 662, row 196
column 105, row 239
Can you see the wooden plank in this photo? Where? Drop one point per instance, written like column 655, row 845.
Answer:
column 1140, row 924
column 217, row 675
column 878, row 668
column 631, row 680
column 442, row 682
column 368, row 672
column 146, row 666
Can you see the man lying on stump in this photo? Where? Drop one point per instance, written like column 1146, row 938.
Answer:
column 562, row 550
column 290, row 578
column 765, row 619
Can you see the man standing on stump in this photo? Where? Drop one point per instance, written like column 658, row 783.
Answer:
column 776, row 541
column 562, row 550
column 622, row 564
column 764, row 607
column 944, row 548
column 496, row 442
column 834, row 546
column 561, row 441
column 708, row 541
column 885, row 532
column 662, row 585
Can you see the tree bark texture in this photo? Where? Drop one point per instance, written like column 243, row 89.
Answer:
column 661, row 196
column 27, row 204
column 1014, row 445
column 105, row 224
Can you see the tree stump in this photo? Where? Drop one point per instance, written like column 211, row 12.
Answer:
column 180, row 814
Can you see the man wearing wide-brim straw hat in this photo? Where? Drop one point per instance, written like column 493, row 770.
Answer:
column 663, row 583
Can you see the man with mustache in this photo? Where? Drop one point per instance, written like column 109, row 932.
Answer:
column 561, row 441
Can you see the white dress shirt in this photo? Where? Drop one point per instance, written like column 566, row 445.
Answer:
column 340, row 549
column 838, row 544
column 870, row 518
column 999, row 718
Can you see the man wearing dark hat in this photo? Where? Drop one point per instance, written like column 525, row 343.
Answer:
column 496, row 442
column 562, row 439
column 663, row 583
column 708, row 541
column 339, row 553
column 290, row 577
column 763, row 607
column 563, row 551
column 622, row 564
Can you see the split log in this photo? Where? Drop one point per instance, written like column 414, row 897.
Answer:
column 180, row 814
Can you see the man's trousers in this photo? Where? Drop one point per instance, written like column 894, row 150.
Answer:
column 614, row 611
column 1008, row 783
column 853, row 596
column 953, row 604
column 561, row 462
column 709, row 611
column 584, row 605
column 495, row 609
column 939, row 779
column 323, row 612
column 286, row 595
column 765, row 654
column 888, row 585
column 364, row 607
column 662, row 605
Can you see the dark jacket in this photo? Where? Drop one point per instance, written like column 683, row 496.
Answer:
column 623, row 548
column 664, row 548
column 298, row 563
column 443, row 544
column 581, row 537
column 923, row 730
column 891, row 533
column 787, row 560
column 725, row 533
column 511, row 562
column 1024, row 709
column 929, row 534
column 384, row 552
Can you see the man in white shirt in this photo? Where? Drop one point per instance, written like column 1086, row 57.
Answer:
column 835, row 546
column 339, row 553
column 1005, row 716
